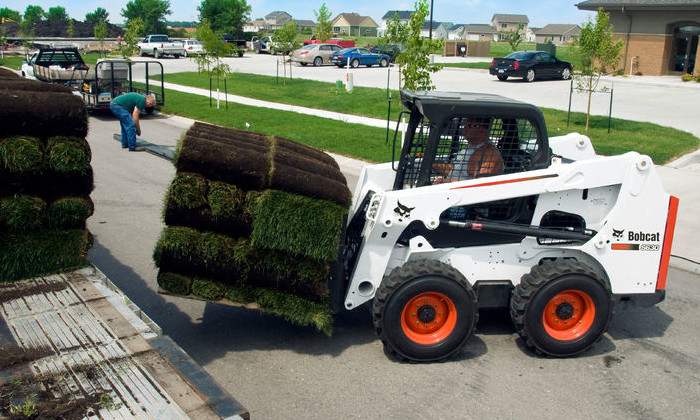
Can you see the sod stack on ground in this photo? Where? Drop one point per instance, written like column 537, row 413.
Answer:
column 45, row 179
column 253, row 220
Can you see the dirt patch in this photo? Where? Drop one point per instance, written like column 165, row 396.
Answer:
column 24, row 396
column 10, row 292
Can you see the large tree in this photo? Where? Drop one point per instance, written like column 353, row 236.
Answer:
column 323, row 30
column 224, row 15
column 151, row 12
column 33, row 14
column 57, row 13
column 98, row 15
column 598, row 53
column 8, row 13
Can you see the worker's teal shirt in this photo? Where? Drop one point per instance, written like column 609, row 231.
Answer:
column 131, row 100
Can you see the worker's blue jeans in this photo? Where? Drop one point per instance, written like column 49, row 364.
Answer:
column 127, row 124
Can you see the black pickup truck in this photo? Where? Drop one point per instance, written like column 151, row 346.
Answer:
column 239, row 44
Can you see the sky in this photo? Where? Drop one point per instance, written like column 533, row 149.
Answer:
column 539, row 12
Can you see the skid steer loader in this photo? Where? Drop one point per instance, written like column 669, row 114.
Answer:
column 561, row 236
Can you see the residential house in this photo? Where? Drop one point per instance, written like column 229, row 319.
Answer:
column 558, row 34
column 305, row 25
column 440, row 30
column 456, row 31
column 277, row 19
column 404, row 16
column 660, row 36
column 479, row 32
column 354, row 24
column 530, row 35
column 258, row 25
column 504, row 23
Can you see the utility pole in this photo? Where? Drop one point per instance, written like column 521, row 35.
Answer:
column 430, row 33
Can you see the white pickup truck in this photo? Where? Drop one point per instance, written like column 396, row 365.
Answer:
column 160, row 45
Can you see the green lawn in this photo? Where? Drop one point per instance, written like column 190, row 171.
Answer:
column 661, row 143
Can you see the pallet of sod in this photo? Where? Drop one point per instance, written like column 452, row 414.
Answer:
column 45, row 180
column 253, row 220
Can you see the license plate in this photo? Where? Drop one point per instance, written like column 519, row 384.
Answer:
column 501, row 71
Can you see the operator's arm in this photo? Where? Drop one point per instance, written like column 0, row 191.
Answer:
column 486, row 161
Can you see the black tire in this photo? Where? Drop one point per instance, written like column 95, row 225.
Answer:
column 383, row 62
column 355, row 63
column 141, row 53
column 186, row 55
column 530, row 75
column 177, row 55
column 561, row 308
column 445, row 318
column 502, row 78
column 240, row 53
column 303, row 64
column 318, row 61
column 566, row 73
column 156, row 54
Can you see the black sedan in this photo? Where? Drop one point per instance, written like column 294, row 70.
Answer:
column 530, row 65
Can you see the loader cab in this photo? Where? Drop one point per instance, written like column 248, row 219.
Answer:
column 441, row 126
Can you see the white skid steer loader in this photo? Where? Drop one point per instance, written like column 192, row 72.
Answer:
column 561, row 236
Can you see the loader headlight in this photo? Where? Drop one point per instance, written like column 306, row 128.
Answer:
column 374, row 206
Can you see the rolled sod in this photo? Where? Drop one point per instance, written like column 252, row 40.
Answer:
column 42, row 114
column 243, row 167
column 68, row 155
column 297, row 224
column 188, row 191
column 7, row 74
column 43, row 252
column 20, row 84
column 291, row 179
column 69, row 212
column 208, row 289
column 48, row 185
column 175, row 283
column 22, row 213
column 22, row 154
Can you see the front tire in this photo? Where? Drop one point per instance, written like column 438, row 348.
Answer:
column 561, row 308
column 530, row 75
column 424, row 311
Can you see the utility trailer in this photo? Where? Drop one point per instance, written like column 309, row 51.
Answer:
column 98, row 84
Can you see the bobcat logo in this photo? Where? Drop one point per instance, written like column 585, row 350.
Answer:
column 403, row 211
column 618, row 233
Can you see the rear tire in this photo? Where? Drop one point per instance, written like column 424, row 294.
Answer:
column 318, row 61
column 156, row 54
column 424, row 311
column 561, row 308
column 383, row 62
column 566, row 74
column 530, row 75
column 355, row 63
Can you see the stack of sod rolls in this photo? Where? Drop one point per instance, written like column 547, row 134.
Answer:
column 253, row 220
column 45, row 179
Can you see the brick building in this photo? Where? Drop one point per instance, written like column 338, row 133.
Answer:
column 661, row 36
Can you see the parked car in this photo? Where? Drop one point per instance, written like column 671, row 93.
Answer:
column 192, row 47
column 392, row 50
column 316, row 54
column 530, row 65
column 359, row 57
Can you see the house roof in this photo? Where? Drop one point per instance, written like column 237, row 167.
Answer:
column 275, row 14
column 426, row 25
column 354, row 19
column 403, row 14
column 510, row 18
column 559, row 29
column 640, row 4
column 479, row 28
column 305, row 23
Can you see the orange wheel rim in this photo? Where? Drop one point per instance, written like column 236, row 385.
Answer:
column 429, row 318
column 568, row 315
